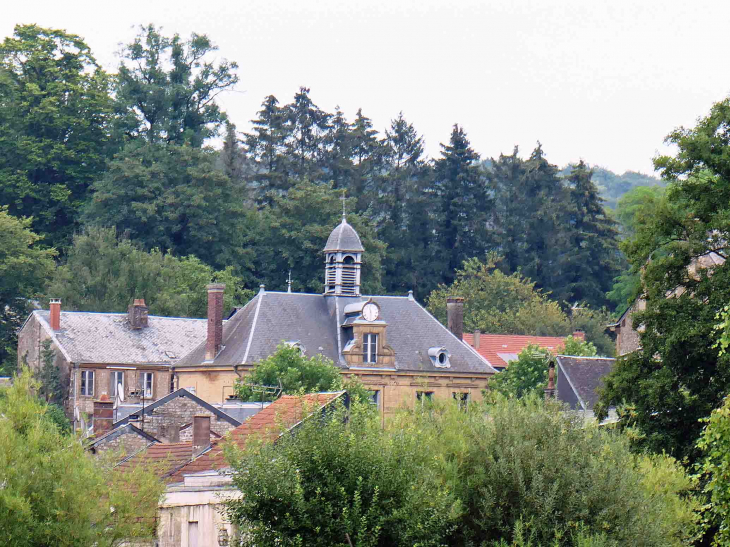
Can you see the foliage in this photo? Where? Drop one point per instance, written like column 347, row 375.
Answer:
column 578, row 347
column 292, row 371
column 498, row 303
column 55, row 110
column 166, row 88
column 714, row 442
column 527, row 460
column 173, row 198
column 104, row 272
column 528, row 374
column 636, row 206
column 53, row 492
column 341, row 481
column 24, row 267
column 613, row 186
column 680, row 376
column 50, row 388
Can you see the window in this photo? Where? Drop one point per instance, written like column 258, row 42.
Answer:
column 374, row 397
column 462, row 398
column 147, row 384
column 370, row 348
column 424, row 397
column 117, row 380
column 87, row 383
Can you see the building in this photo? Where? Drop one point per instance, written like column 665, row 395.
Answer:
column 580, row 378
column 500, row 349
column 391, row 343
column 97, row 352
column 198, row 477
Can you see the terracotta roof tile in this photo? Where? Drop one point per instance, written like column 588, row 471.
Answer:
column 167, row 456
column 509, row 345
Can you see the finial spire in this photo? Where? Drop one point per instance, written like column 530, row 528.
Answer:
column 288, row 283
column 344, row 214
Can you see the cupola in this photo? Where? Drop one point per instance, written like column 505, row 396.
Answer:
column 343, row 258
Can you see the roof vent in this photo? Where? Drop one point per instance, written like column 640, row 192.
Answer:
column 439, row 356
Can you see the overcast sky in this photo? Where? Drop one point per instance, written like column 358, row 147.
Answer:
column 604, row 81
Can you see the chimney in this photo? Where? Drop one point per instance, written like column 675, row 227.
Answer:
column 215, row 320
column 477, row 338
column 201, row 434
column 579, row 335
column 455, row 315
column 550, row 389
column 137, row 314
column 103, row 415
column 55, row 314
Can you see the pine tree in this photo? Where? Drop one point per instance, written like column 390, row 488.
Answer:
column 307, row 127
column 461, row 190
column 366, row 151
column 337, row 163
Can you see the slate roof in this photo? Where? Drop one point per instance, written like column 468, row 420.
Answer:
column 344, row 238
column 166, row 457
column 87, row 337
column 239, row 411
column 126, row 429
column 150, row 408
column 314, row 320
column 286, row 412
column 500, row 349
column 580, row 377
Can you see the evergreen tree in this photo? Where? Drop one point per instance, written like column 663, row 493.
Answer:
column 307, row 127
column 365, row 158
column 594, row 258
column 55, row 110
column 337, row 164
column 463, row 199
column 266, row 145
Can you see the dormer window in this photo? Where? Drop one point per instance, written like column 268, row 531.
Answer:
column 296, row 344
column 439, row 357
column 370, row 348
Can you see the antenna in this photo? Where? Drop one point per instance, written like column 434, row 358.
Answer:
column 288, row 283
column 275, row 391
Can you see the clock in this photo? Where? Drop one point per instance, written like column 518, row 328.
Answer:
column 370, row 311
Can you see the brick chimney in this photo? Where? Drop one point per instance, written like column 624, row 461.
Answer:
column 137, row 314
column 550, row 389
column 579, row 335
column 455, row 315
column 477, row 338
column 55, row 314
column 103, row 415
column 201, row 434
column 215, row 320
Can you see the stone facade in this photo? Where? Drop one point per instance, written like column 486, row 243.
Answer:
column 124, row 444
column 165, row 421
column 628, row 336
column 30, row 349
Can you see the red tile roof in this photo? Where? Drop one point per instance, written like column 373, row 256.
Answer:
column 492, row 345
column 167, row 457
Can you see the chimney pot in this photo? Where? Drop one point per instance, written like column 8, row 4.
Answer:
column 103, row 415
column 550, row 389
column 215, row 320
column 477, row 338
column 137, row 314
column 55, row 314
column 201, row 434
column 455, row 315
column 579, row 334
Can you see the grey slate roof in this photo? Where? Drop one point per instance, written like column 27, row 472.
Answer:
column 344, row 238
column 313, row 320
column 580, row 377
column 126, row 429
column 87, row 337
column 239, row 411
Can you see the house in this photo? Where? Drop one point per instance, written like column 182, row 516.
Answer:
column 198, row 477
column 579, row 379
column 391, row 343
column 500, row 349
column 97, row 352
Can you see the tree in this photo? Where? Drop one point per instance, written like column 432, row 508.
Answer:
column 594, row 259
column 104, row 272
column 500, row 304
column 24, row 268
column 50, row 388
column 307, row 126
column 166, row 89
column 55, row 111
column 461, row 192
column 172, row 198
column 54, row 492
column 525, row 376
column 340, row 481
column 291, row 371
column 636, row 206
column 682, row 377
column 366, row 158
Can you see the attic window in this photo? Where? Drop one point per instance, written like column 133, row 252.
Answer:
column 439, row 357
column 170, row 355
column 296, row 344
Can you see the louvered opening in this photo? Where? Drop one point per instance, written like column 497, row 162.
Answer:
column 349, row 277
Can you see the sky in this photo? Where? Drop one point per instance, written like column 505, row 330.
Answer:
column 602, row 81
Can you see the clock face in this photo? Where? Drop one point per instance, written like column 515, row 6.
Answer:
column 370, row 311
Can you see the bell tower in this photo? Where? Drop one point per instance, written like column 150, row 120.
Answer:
column 343, row 258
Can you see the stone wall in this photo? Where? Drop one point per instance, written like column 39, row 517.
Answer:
column 164, row 422
column 125, row 444
column 102, row 384
column 627, row 335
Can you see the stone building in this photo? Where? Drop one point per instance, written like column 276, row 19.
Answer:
column 396, row 347
column 97, row 352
